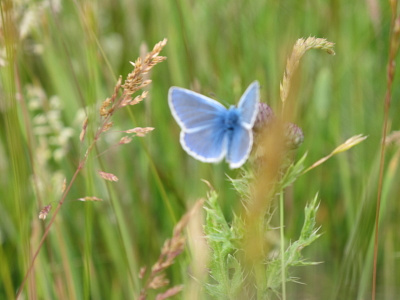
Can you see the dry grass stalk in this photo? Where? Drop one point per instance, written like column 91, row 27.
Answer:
column 170, row 250
column 299, row 49
column 274, row 138
column 394, row 43
column 349, row 143
column 133, row 83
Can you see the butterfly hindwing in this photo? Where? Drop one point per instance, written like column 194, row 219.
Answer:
column 239, row 146
column 208, row 144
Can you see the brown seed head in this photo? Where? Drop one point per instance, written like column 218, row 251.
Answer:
column 108, row 176
column 125, row 140
column 158, row 282
column 140, row 131
column 83, row 132
column 170, row 292
column 104, row 110
column 135, row 80
column 44, row 212
column 107, row 126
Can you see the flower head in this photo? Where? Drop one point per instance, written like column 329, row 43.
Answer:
column 264, row 117
column 294, row 136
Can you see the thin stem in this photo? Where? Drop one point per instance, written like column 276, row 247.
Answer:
column 64, row 196
column 393, row 48
column 47, row 230
column 133, row 83
column 282, row 223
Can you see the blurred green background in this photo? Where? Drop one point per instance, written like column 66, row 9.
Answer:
column 59, row 58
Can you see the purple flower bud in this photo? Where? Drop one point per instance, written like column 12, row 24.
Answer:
column 264, row 117
column 294, row 136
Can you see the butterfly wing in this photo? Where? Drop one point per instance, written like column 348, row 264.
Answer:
column 241, row 139
column 207, row 145
column 193, row 111
column 239, row 146
column 248, row 105
column 201, row 120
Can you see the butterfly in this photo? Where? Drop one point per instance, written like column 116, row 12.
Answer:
column 210, row 131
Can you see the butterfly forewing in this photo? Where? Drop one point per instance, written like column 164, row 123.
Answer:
column 193, row 111
column 248, row 104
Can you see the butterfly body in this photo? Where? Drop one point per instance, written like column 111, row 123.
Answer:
column 210, row 131
column 232, row 118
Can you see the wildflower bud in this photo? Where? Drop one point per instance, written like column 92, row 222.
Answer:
column 264, row 117
column 294, row 136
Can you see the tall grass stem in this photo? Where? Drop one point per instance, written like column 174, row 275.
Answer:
column 393, row 49
column 47, row 230
column 282, row 231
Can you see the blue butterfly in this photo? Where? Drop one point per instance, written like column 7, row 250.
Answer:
column 210, row 131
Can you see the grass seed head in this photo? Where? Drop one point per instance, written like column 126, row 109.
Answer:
column 83, row 132
column 44, row 212
column 107, row 126
column 140, row 131
column 104, row 110
column 135, row 80
column 158, row 281
column 170, row 292
column 108, row 176
column 125, row 140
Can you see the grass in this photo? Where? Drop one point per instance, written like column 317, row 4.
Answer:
column 68, row 63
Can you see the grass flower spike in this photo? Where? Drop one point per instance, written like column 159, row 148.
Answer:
column 134, row 82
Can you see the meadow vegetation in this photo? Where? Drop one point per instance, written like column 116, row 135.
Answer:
column 98, row 200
